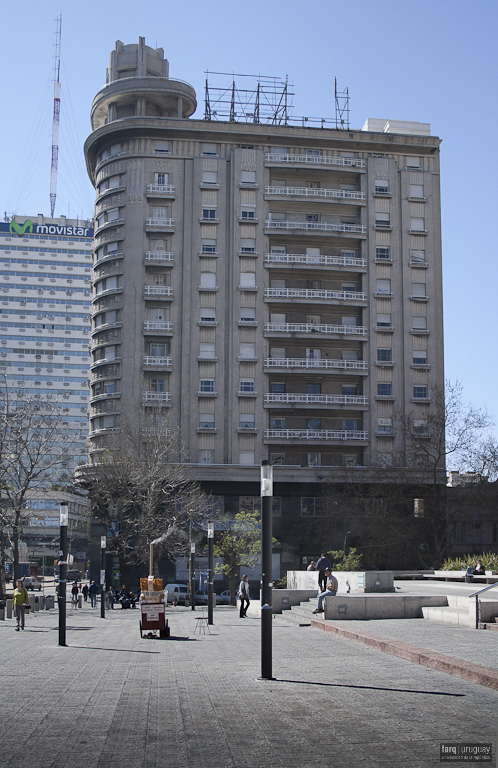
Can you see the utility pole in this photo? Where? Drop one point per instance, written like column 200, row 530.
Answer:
column 63, row 521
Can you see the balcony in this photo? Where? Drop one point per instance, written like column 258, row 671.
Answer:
column 343, row 330
column 320, row 193
column 159, row 256
column 157, row 397
column 160, row 223
column 161, row 362
column 107, row 225
column 161, row 189
column 315, row 434
column 152, row 325
column 359, row 366
column 103, row 431
column 315, row 226
column 345, row 162
column 305, row 399
column 314, row 293
column 104, row 361
column 158, row 290
column 322, row 260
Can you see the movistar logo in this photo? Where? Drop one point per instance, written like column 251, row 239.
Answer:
column 20, row 229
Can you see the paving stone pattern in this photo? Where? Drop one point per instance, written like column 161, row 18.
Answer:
column 113, row 699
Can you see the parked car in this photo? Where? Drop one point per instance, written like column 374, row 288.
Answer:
column 32, row 583
column 224, row 597
column 201, row 598
column 177, row 592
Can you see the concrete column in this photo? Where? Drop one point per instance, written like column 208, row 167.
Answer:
column 179, row 107
column 9, row 609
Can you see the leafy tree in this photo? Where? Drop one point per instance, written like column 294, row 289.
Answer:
column 345, row 562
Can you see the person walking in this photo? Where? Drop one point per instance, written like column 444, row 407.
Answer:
column 20, row 600
column 322, row 565
column 74, row 595
column 85, row 592
column 92, row 591
column 332, row 586
column 244, row 596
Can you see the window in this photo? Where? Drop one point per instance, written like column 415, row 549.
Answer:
column 282, row 151
column 313, row 388
column 419, row 357
column 348, row 288
column 158, row 314
column 381, row 186
column 246, row 457
column 157, row 349
column 349, row 322
column 208, row 315
column 246, row 421
column 277, row 423
column 384, row 389
column 384, row 355
column 277, row 387
column 349, row 354
column 313, row 155
column 418, row 290
column 208, row 245
column 314, row 459
column 248, row 280
column 420, row 392
column 206, row 456
column 248, row 245
column 248, row 177
column 313, row 424
column 161, row 147
column 246, row 385
column 314, row 355
column 247, row 315
column 313, row 506
column 383, row 286
column 206, row 421
column 207, row 351
column 413, row 162
column 349, row 389
column 419, row 427
column 382, row 220
column 208, row 280
column 159, row 212
column 209, row 213
column 349, row 460
column 161, row 179
column 209, row 177
column 277, row 459
column 416, row 190
column 277, row 353
column 247, row 351
column 156, row 385
column 382, row 253
column 417, row 224
column 206, row 386
column 350, row 425
column 383, row 321
column 312, row 218
column 210, row 150
column 385, row 426
column 248, row 214
column 417, row 257
column 419, row 323
column 277, row 216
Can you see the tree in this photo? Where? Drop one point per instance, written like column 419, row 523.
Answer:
column 239, row 546
column 35, row 447
column 141, row 488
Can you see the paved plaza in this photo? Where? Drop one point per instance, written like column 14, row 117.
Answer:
column 195, row 701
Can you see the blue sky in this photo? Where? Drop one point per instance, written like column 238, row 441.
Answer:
column 432, row 61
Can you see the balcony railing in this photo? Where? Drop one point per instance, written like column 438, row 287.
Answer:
column 152, row 222
column 313, row 293
column 157, row 397
column 152, row 325
column 303, row 258
column 305, row 399
column 304, row 362
column 316, row 434
column 315, row 160
column 340, row 194
column 158, row 290
column 316, row 226
column 344, row 330
column 161, row 188
column 159, row 256
column 161, row 361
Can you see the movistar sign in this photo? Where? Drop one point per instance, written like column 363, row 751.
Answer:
column 27, row 227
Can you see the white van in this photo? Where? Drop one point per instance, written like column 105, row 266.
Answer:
column 177, row 592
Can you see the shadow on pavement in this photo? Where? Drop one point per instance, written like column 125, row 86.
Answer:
column 372, row 688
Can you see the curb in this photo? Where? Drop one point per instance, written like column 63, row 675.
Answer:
column 439, row 661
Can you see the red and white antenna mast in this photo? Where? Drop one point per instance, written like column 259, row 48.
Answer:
column 57, row 112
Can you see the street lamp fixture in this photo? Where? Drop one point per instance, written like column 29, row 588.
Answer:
column 266, row 570
column 63, row 523
column 103, row 545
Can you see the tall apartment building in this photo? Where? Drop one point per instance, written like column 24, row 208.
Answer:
column 45, row 302
column 275, row 289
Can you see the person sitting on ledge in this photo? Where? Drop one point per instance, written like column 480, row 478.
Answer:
column 479, row 570
column 331, row 589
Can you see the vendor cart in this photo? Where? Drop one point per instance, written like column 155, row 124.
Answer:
column 153, row 621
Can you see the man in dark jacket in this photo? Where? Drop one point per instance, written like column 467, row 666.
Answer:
column 323, row 565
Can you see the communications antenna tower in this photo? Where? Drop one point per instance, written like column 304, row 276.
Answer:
column 56, row 118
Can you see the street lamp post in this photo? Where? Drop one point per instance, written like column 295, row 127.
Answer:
column 192, row 575
column 266, row 570
column 103, row 545
column 63, row 520
column 210, row 572
column 345, row 539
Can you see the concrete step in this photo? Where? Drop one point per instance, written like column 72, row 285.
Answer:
column 492, row 627
column 447, row 614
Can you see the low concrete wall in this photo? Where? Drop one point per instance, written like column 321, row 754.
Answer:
column 349, row 581
column 351, row 607
column 283, row 599
column 489, row 578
